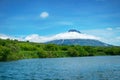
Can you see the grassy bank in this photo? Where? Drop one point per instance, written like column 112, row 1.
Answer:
column 15, row 50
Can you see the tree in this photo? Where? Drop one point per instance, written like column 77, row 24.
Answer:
column 42, row 54
column 4, row 52
column 82, row 51
column 73, row 52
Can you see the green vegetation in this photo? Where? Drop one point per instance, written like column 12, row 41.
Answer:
column 15, row 50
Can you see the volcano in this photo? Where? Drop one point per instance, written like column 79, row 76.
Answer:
column 75, row 37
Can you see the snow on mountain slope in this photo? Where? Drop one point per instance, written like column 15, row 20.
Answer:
column 65, row 35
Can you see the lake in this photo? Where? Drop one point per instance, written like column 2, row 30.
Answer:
column 75, row 68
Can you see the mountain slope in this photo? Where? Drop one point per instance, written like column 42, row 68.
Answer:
column 82, row 42
column 75, row 37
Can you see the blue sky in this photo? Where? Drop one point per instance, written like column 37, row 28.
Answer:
column 48, row 17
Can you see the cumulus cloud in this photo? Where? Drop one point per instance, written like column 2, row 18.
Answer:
column 44, row 14
column 107, row 36
column 36, row 38
column 42, row 39
column 115, row 40
column 3, row 36
column 66, row 35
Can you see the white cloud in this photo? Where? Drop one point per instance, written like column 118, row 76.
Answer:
column 66, row 35
column 3, row 36
column 115, row 40
column 104, row 36
column 107, row 36
column 44, row 14
column 99, row 32
column 35, row 38
column 110, row 29
column 41, row 39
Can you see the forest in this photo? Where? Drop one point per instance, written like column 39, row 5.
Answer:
column 16, row 50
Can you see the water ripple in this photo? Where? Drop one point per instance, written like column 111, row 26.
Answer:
column 80, row 68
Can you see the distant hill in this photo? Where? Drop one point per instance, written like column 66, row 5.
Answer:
column 82, row 42
column 15, row 50
column 75, row 37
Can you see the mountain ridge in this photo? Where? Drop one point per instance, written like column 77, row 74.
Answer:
column 75, row 37
column 82, row 42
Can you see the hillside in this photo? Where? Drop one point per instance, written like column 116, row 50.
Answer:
column 82, row 42
column 15, row 50
column 75, row 37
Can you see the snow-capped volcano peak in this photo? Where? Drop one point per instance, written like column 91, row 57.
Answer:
column 74, row 30
column 74, row 35
column 66, row 35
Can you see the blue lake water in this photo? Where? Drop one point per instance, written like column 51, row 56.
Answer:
column 79, row 68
